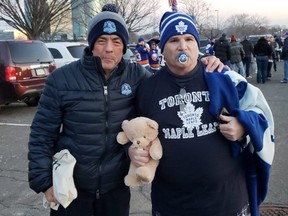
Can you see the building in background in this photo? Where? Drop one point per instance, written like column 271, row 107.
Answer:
column 82, row 12
column 73, row 27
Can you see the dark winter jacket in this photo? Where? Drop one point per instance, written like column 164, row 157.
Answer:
column 262, row 48
column 222, row 49
column 247, row 47
column 81, row 111
column 237, row 52
column 284, row 54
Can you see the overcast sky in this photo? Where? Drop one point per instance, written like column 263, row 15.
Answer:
column 276, row 11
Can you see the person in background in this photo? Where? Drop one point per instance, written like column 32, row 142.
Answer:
column 275, row 47
column 216, row 131
column 248, row 49
column 262, row 51
column 141, row 51
column 284, row 56
column 81, row 109
column 153, row 56
column 272, row 58
column 237, row 54
column 209, row 47
column 222, row 50
column 278, row 40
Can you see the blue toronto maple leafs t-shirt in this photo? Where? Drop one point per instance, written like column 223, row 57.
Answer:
column 197, row 174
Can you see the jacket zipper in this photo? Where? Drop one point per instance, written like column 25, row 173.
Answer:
column 105, row 92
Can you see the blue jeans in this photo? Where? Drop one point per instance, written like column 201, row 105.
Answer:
column 286, row 69
column 262, row 65
column 240, row 68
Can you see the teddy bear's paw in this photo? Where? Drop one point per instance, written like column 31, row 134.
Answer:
column 144, row 179
column 144, row 174
column 132, row 182
column 156, row 155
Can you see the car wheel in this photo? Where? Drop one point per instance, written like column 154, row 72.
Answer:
column 32, row 101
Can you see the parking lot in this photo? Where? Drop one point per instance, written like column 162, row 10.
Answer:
column 16, row 199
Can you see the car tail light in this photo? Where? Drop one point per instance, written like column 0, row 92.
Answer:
column 10, row 74
column 52, row 67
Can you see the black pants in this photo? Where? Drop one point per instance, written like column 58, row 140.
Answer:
column 247, row 63
column 115, row 202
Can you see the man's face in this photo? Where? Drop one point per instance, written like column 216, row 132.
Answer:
column 181, row 43
column 110, row 50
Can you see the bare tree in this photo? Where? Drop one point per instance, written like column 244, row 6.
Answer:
column 34, row 18
column 203, row 14
column 245, row 24
column 139, row 15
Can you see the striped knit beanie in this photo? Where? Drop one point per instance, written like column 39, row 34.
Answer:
column 174, row 23
column 108, row 23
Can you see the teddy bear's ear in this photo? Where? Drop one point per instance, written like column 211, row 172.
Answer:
column 122, row 138
column 153, row 124
column 124, row 122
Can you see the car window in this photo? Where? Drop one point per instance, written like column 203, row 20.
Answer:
column 29, row 52
column 55, row 53
column 76, row 51
column 128, row 54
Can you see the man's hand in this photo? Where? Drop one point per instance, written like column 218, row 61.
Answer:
column 231, row 129
column 138, row 157
column 212, row 63
column 49, row 195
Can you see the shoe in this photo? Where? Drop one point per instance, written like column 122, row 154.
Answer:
column 249, row 77
column 283, row 81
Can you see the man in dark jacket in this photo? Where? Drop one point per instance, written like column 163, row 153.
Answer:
column 248, row 49
column 222, row 49
column 237, row 54
column 81, row 109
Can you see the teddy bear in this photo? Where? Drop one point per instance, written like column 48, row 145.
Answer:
column 143, row 133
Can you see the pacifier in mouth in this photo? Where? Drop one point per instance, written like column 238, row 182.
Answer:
column 182, row 57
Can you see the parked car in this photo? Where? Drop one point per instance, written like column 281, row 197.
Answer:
column 24, row 67
column 66, row 52
column 132, row 47
column 129, row 56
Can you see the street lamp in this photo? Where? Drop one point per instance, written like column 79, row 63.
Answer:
column 217, row 20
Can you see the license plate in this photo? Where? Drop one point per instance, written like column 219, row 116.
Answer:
column 40, row 72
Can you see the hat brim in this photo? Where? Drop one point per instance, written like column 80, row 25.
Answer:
column 153, row 40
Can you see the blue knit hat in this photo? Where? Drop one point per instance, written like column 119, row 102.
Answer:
column 108, row 23
column 174, row 23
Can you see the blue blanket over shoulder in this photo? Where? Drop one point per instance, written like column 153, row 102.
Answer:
column 248, row 104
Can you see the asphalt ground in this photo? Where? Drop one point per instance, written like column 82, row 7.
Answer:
column 17, row 199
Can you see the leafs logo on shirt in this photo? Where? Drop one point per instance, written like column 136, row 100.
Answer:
column 190, row 116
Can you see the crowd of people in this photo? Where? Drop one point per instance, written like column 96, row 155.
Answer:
column 239, row 55
column 215, row 128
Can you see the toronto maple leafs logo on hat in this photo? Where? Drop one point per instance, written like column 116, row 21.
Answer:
column 181, row 27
